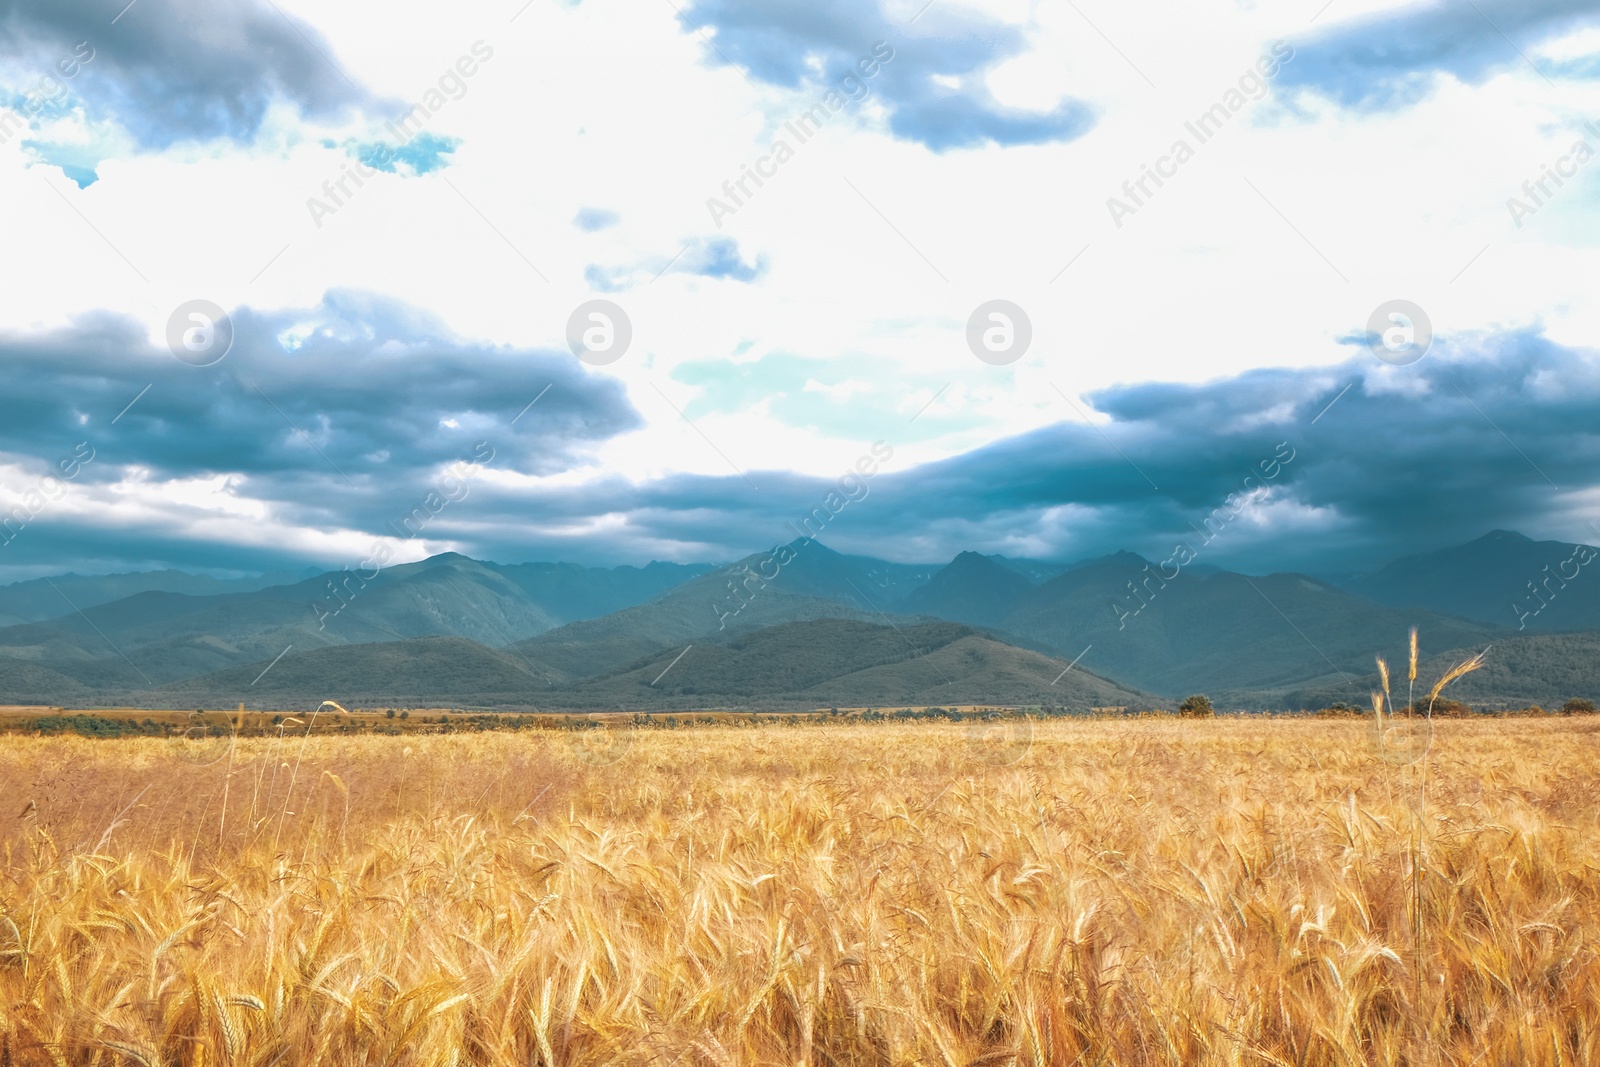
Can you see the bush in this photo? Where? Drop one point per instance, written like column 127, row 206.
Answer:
column 1443, row 708
column 1339, row 710
column 1197, row 707
column 1140, row 710
column 1578, row 706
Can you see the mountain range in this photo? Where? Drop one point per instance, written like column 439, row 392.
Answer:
column 803, row 626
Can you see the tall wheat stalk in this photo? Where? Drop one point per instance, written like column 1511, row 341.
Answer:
column 1417, row 846
column 227, row 781
column 294, row 775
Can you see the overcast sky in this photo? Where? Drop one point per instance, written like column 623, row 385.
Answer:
column 1200, row 216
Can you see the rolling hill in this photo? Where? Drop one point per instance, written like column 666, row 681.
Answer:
column 835, row 662
column 803, row 665
column 425, row 671
column 816, row 583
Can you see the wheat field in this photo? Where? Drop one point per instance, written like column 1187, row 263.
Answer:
column 1236, row 891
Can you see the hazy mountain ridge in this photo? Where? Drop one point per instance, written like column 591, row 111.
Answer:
column 40, row 599
column 1119, row 619
column 1194, row 632
column 1502, row 578
column 157, row 637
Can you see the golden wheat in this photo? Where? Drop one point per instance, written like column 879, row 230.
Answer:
column 1151, row 892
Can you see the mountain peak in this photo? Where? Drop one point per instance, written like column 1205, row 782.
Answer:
column 809, row 544
column 1124, row 558
column 449, row 557
column 970, row 588
column 970, row 559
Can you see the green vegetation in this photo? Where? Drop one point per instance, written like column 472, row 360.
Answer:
column 92, row 726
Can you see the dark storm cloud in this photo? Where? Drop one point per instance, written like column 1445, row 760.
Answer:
column 782, row 42
column 1405, row 459
column 1393, row 58
column 50, row 545
column 332, row 407
column 178, row 70
column 1408, row 458
column 1467, row 441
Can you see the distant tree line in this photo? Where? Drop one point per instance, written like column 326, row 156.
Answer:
column 1195, row 706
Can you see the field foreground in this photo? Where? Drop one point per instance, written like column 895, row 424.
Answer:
column 1124, row 892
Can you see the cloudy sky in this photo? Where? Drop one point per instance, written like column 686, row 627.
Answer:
column 275, row 272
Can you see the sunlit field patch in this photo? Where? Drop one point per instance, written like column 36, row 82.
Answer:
column 1124, row 892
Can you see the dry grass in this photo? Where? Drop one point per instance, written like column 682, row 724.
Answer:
column 1148, row 892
